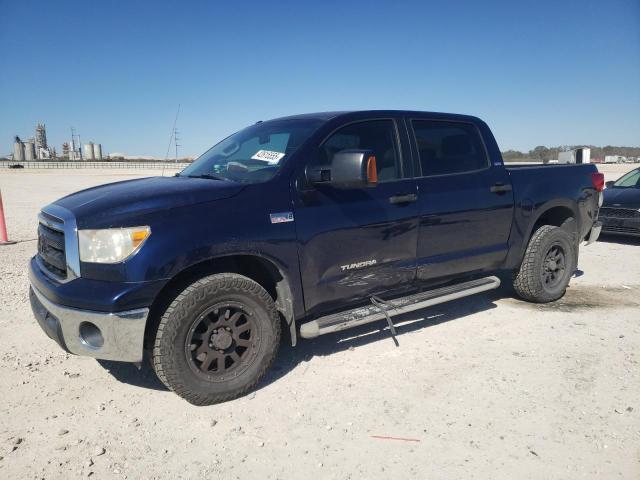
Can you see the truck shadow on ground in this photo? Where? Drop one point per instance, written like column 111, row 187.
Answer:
column 621, row 239
column 290, row 357
column 128, row 373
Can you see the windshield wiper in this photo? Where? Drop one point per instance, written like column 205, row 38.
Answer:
column 210, row 176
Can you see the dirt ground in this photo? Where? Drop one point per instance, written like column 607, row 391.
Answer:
column 484, row 387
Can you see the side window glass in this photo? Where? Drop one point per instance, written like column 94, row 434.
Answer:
column 448, row 147
column 376, row 135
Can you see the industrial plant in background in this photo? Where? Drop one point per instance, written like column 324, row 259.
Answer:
column 37, row 148
column 92, row 151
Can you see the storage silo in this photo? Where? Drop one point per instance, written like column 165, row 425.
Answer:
column 88, row 151
column 97, row 151
column 18, row 150
column 29, row 150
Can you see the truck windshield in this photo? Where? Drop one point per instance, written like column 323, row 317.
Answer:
column 630, row 180
column 255, row 154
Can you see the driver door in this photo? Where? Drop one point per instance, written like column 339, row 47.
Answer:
column 357, row 242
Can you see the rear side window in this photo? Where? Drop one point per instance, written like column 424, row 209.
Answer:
column 376, row 135
column 448, row 147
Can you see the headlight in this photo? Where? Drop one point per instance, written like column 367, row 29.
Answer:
column 111, row 245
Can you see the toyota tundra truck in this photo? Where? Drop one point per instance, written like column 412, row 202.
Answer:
column 310, row 224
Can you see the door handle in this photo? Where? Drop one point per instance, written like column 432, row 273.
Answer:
column 403, row 198
column 500, row 188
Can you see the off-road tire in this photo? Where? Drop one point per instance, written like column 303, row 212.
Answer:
column 170, row 360
column 528, row 280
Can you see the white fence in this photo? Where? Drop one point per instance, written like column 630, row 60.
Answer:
column 74, row 165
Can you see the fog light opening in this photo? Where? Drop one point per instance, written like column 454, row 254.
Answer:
column 90, row 335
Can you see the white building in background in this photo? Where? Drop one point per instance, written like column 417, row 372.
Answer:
column 578, row 155
column 614, row 159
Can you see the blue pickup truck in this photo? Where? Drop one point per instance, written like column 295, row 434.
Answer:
column 313, row 224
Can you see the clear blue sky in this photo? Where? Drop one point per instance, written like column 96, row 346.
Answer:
column 539, row 72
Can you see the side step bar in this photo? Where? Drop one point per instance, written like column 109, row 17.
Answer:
column 370, row 313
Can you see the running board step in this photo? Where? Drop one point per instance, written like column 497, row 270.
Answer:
column 370, row 313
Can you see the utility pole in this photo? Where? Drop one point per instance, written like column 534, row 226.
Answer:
column 173, row 137
column 175, row 140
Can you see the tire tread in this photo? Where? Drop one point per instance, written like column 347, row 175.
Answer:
column 525, row 280
column 163, row 353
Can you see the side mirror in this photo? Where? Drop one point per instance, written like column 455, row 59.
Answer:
column 348, row 169
column 609, row 184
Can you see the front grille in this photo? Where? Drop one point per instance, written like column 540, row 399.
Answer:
column 619, row 212
column 51, row 250
column 620, row 229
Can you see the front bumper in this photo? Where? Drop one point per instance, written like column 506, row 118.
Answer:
column 621, row 226
column 104, row 335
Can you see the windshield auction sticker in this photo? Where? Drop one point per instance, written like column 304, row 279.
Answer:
column 268, row 156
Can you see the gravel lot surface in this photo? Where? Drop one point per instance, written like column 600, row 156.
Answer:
column 485, row 387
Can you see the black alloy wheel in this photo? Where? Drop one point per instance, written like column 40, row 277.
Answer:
column 547, row 266
column 222, row 341
column 553, row 267
column 217, row 339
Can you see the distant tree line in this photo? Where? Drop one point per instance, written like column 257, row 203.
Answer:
column 542, row 153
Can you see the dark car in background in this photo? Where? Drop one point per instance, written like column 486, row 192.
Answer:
column 620, row 212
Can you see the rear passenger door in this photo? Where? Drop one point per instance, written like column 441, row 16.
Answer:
column 361, row 241
column 465, row 202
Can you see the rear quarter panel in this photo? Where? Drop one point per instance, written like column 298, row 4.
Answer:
column 537, row 189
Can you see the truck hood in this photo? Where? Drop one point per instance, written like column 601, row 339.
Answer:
column 622, row 197
column 133, row 197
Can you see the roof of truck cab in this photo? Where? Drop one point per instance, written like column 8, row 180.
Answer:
column 325, row 116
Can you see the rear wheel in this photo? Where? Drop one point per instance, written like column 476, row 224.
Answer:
column 547, row 267
column 217, row 339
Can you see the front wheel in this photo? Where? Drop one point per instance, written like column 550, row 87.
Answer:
column 547, row 267
column 217, row 339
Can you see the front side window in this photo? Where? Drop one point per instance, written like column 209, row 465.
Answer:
column 630, row 180
column 448, row 147
column 255, row 154
column 376, row 135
